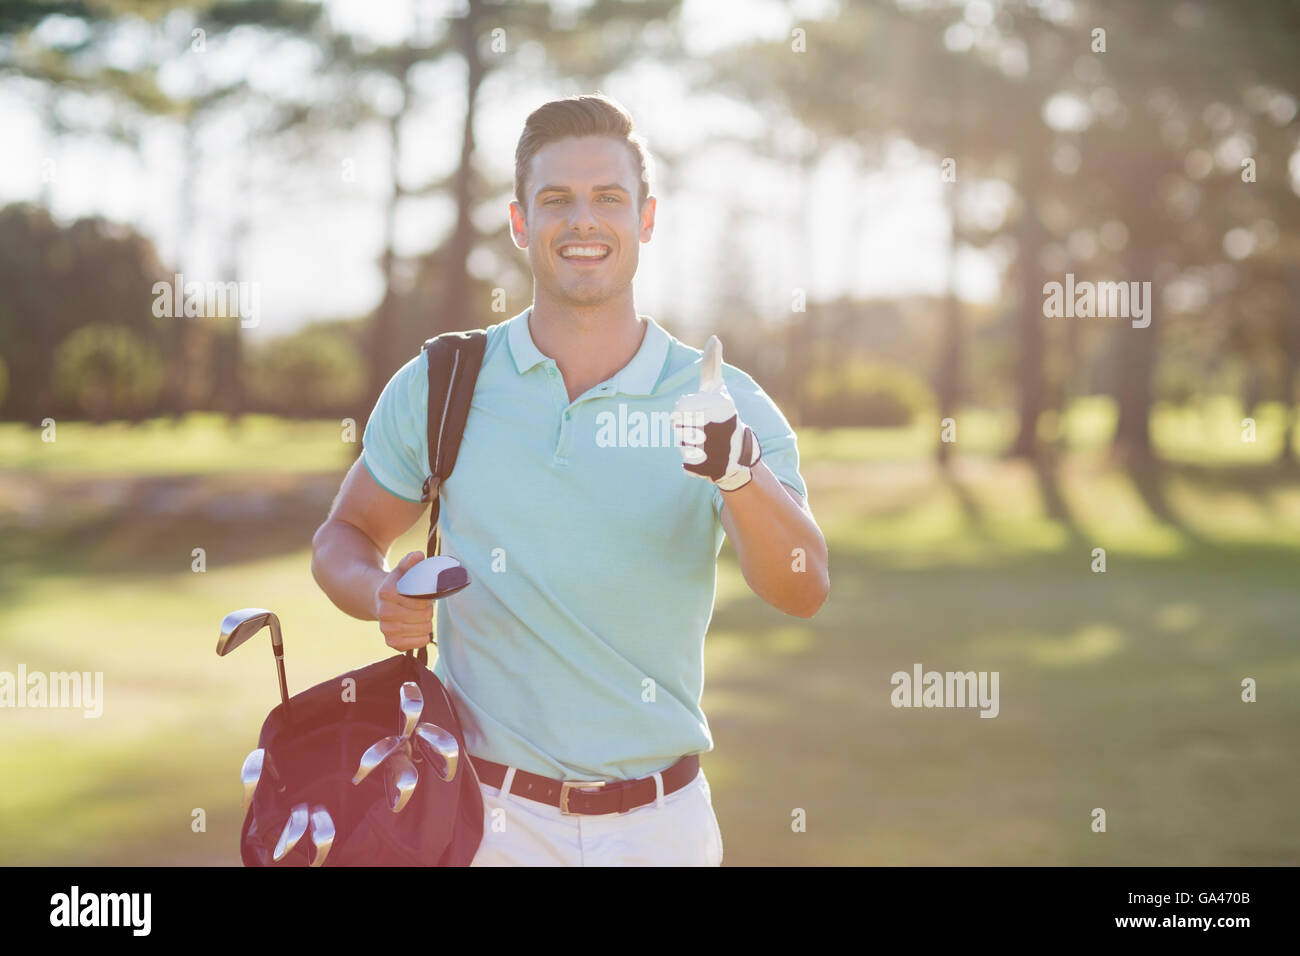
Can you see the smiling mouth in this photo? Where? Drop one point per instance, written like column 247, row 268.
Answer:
column 585, row 255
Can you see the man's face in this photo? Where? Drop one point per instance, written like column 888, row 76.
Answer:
column 581, row 195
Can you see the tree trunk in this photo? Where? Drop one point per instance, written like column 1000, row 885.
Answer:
column 383, row 328
column 947, row 384
column 1029, row 328
column 1136, row 357
column 237, row 401
column 455, row 310
column 1290, row 363
column 175, row 394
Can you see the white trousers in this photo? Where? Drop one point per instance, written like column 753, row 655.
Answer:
column 679, row 829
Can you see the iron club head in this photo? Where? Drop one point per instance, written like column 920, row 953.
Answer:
column 435, row 578
column 400, row 778
column 238, row 626
column 322, row 834
column 376, row 754
column 411, row 702
column 294, row 828
column 250, row 774
column 440, row 748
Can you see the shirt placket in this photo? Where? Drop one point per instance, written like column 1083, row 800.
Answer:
column 568, row 412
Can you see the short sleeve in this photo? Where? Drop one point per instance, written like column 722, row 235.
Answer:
column 396, row 437
column 775, row 436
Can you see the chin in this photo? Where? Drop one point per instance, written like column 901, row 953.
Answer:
column 594, row 298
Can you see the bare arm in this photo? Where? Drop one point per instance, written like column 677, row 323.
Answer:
column 767, row 521
column 349, row 554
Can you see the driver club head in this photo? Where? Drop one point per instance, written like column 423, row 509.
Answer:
column 322, row 834
column 294, row 828
column 440, row 748
column 435, row 578
column 411, row 702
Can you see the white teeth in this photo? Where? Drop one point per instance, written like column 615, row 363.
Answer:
column 584, row 252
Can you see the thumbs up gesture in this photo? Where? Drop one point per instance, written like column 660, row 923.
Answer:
column 716, row 444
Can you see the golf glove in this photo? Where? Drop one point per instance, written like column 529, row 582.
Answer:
column 715, row 443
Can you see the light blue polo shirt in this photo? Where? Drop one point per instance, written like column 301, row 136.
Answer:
column 577, row 651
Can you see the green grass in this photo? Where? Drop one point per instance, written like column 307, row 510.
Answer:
column 1209, row 433
column 1118, row 690
column 199, row 443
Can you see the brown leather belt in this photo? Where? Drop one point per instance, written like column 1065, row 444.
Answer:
column 589, row 797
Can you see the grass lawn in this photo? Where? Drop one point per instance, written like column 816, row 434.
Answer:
column 1118, row 690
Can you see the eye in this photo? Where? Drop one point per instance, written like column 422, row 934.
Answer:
column 551, row 202
column 610, row 196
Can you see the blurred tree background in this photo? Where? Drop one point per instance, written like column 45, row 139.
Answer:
column 1121, row 155
column 865, row 200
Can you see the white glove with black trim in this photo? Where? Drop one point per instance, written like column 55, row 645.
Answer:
column 716, row 445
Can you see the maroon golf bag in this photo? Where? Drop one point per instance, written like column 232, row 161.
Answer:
column 312, row 748
column 312, row 755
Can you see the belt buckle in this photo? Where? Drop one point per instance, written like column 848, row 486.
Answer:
column 568, row 785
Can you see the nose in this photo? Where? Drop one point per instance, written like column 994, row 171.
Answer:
column 583, row 219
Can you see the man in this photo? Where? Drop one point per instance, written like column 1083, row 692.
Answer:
column 590, row 533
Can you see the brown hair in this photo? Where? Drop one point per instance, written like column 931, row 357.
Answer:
column 587, row 115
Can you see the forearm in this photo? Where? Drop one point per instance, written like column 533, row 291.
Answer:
column 781, row 549
column 348, row 567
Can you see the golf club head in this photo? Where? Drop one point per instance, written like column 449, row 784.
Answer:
column 440, row 748
column 238, row 626
column 294, row 828
column 271, row 772
column 376, row 754
column 322, row 834
column 411, row 702
column 434, row 578
column 250, row 774
column 400, row 778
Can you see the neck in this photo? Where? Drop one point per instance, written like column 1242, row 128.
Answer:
column 588, row 343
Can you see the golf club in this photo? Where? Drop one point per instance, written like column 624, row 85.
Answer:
column 294, row 828
column 250, row 774
column 400, row 778
column 376, row 754
column 239, row 626
column 322, row 834
column 435, row 578
column 411, row 702
column 438, row 743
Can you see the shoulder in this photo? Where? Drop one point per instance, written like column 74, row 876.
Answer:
column 415, row 372
column 409, row 385
column 496, row 335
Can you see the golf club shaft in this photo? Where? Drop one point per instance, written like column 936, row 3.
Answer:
column 284, row 684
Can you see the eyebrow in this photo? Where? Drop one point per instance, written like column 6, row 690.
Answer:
column 607, row 187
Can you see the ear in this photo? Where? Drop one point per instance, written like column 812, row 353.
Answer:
column 648, row 219
column 518, row 225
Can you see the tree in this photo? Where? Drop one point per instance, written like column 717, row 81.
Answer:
column 604, row 39
column 55, row 281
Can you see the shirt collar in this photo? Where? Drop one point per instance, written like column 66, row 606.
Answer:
column 638, row 377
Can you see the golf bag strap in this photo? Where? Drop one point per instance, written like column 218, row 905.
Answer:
column 454, row 359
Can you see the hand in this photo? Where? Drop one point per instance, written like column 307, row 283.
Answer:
column 716, row 444
column 407, row 622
